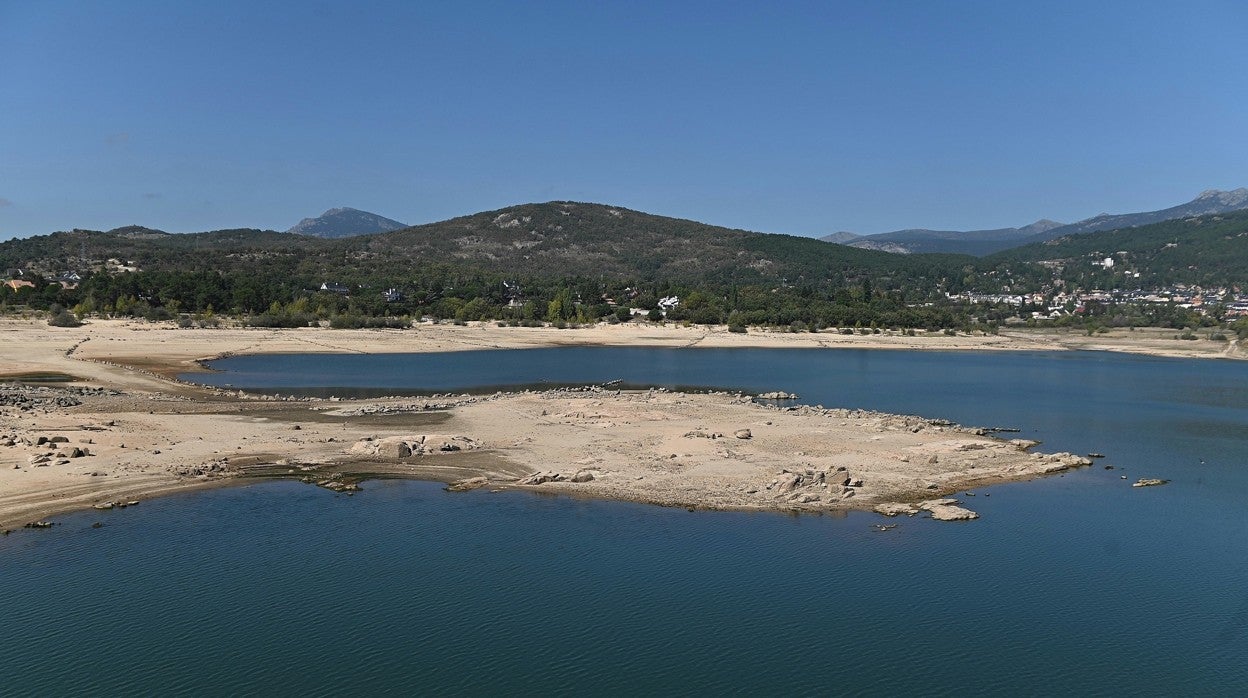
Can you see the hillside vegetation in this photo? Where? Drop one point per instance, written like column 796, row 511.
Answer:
column 1209, row 251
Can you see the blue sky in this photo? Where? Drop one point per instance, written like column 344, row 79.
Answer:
column 793, row 117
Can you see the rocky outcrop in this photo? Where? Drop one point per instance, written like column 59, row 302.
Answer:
column 895, row 509
column 1149, row 482
column 471, row 483
column 947, row 510
column 399, row 447
column 542, row 478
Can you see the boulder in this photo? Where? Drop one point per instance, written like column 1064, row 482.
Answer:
column 583, row 476
column 542, row 478
column 393, row 449
column 949, row 512
column 471, row 483
column 777, row 395
column 787, row 482
column 743, row 434
column 1149, row 482
column 947, row 509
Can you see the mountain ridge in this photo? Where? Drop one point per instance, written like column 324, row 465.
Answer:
column 985, row 242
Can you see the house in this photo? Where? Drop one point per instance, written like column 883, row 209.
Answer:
column 514, row 294
column 16, row 284
column 335, row 288
column 392, row 295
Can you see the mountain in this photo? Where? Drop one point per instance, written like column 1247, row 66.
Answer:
column 1209, row 250
column 985, row 242
column 920, row 240
column 841, row 238
column 544, row 241
column 1209, row 202
column 345, row 222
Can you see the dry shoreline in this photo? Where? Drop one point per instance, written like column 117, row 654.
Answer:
column 123, row 431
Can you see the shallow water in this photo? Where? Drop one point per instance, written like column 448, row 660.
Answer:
column 1076, row 583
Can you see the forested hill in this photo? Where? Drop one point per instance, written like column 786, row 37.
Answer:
column 547, row 241
column 1210, row 251
column 578, row 239
column 80, row 250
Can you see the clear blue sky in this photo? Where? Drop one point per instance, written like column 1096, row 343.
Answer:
column 793, row 117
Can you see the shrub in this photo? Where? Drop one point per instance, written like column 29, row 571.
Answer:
column 64, row 319
column 354, row 322
column 738, row 329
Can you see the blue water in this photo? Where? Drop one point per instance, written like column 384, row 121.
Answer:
column 1076, row 583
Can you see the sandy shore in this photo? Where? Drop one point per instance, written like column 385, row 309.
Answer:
column 121, row 432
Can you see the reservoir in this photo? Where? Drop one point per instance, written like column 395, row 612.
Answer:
column 1076, row 583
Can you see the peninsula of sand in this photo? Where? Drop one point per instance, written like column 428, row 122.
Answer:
column 93, row 417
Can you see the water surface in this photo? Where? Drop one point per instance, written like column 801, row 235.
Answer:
column 1077, row 583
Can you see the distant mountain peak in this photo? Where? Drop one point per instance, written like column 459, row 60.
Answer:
column 345, row 222
column 1234, row 197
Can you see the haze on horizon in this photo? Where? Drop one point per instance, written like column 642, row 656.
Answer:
column 804, row 118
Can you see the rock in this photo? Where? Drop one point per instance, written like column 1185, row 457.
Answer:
column 895, row 509
column 541, row 478
column 1149, row 482
column 947, row 509
column 39, row 524
column 79, row 452
column 393, row 449
column 471, row 483
column 952, row 513
column 777, row 395
column 583, row 476
column 787, row 482
column 743, row 434
column 59, row 440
